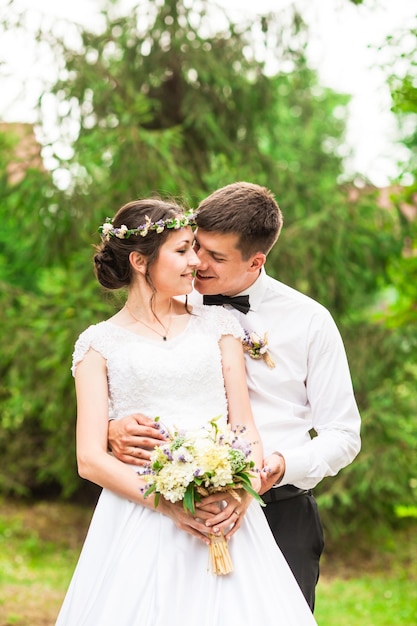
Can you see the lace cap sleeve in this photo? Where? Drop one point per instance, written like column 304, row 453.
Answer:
column 223, row 321
column 82, row 346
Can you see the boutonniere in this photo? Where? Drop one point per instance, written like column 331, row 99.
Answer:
column 256, row 347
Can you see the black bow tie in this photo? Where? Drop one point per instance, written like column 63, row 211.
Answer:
column 241, row 303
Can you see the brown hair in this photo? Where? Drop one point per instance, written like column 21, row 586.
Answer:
column 111, row 261
column 248, row 210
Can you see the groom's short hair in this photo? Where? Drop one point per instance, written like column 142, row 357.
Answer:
column 245, row 209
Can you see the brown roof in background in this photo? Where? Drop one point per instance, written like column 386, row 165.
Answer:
column 26, row 150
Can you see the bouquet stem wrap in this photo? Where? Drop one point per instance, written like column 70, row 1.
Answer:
column 221, row 563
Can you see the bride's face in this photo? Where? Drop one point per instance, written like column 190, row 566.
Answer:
column 172, row 273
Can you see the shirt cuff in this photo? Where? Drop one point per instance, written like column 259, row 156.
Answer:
column 297, row 466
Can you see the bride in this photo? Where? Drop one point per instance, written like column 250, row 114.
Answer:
column 143, row 565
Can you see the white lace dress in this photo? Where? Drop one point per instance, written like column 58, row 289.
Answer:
column 136, row 568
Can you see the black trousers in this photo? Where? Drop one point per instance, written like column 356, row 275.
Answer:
column 294, row 519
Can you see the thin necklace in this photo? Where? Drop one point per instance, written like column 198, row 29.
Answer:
column 166, row 328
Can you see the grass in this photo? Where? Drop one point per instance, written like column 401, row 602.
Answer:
column 370, row 600
column 372, row 583
column 39, row 547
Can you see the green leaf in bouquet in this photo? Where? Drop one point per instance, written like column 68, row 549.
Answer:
column 247, row 486
column 150, row 490
column 189, row 499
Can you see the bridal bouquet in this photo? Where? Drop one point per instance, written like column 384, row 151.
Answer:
column 195, row 463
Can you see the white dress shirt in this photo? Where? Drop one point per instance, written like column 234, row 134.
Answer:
column 309, row 388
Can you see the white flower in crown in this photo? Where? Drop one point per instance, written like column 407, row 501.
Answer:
column 121, row 232
column 106, row 229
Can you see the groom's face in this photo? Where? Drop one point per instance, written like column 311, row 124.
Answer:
column 222, row 269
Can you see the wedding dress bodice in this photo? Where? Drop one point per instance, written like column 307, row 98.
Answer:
column 163, row 378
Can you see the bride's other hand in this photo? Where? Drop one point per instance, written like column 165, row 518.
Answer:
column 193, row 525
column 229, row 518
column 132, row 438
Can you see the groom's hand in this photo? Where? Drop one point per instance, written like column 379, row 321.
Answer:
column 132, row 439
column 272, row 472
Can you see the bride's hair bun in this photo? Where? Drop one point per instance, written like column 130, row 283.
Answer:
column 107, row 269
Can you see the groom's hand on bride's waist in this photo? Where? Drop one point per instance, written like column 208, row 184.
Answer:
column 131, row 439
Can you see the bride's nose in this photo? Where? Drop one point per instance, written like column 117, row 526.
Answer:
column 194, row 261
column 202, row 258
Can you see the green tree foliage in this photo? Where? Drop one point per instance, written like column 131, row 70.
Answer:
column 383, row 477
column 403, row 87
column 158, row 101
column 382, row 341
column 182, row 113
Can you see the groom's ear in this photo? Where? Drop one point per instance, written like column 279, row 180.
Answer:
column 138, row 262
column 257, row 261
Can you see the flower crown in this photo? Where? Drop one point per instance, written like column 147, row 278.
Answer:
column 107, row 229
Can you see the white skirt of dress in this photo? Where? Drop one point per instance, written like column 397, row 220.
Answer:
column 137, row 568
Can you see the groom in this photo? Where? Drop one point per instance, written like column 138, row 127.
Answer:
column 299, row 385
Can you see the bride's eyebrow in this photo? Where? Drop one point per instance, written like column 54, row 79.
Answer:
column 183, row 241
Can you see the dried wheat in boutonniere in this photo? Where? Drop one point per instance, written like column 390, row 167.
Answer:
column 196, row 463
column 256, row 347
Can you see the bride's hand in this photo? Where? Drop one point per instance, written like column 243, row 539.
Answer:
column 193, row 524
column 230, row 516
